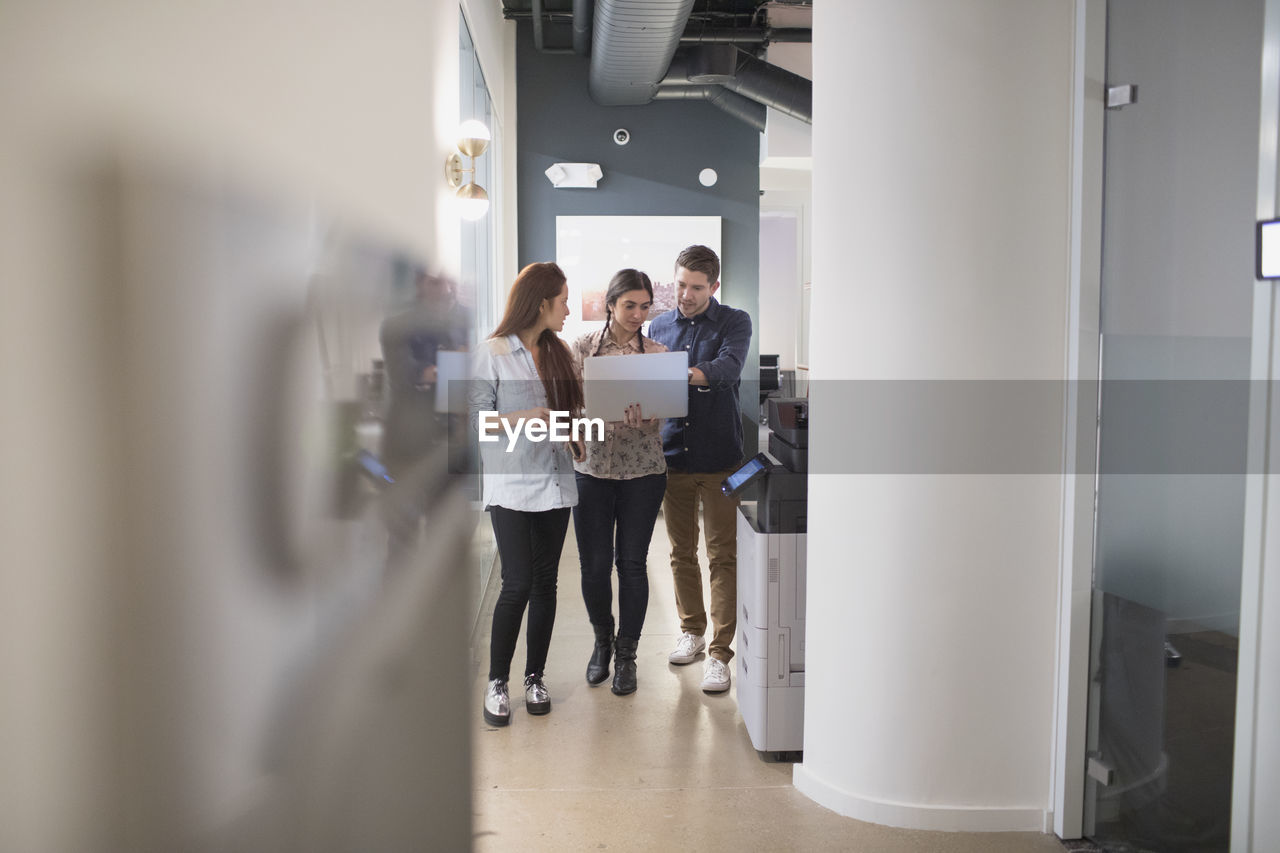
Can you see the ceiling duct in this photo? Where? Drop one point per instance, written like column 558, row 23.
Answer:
column 631, row 48
column 702, row 82
column 734, row 104
column 753, row 78
column 634, row 44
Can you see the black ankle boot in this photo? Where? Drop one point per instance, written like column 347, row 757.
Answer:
column 598, row 666
column 624, row 669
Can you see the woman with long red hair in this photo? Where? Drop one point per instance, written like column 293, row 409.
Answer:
column 523, row 372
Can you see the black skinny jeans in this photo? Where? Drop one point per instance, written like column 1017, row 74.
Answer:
column 627, row 509
column 529, row 545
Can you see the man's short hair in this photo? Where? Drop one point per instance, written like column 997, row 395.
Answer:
column 700, row 259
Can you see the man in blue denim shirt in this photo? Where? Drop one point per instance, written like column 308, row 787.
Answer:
column 702, row 449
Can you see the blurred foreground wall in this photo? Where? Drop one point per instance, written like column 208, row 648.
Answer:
column 173, row 176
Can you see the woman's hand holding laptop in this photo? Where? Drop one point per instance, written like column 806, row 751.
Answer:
column 633, row 417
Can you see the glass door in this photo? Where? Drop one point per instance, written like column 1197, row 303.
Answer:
column 1179, row 200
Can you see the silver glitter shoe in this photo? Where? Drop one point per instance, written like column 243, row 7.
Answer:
column 536, row 699
column 497, row 704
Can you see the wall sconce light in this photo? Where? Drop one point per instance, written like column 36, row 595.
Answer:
column 565, row 175
column 473, row 139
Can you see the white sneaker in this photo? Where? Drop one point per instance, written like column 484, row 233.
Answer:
column 716, row 677
column 687, row 649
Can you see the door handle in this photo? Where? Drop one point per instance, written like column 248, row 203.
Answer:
column 1121, row 95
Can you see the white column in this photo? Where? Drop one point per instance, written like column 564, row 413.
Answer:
column 940, row 251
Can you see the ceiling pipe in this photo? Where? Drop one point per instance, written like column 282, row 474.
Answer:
column 736, row 70
column 772, row 86
column 676, row 85
column 739, row 71
column 735, row 105
column 737, row 35
column 537, row 32
column 582, row 15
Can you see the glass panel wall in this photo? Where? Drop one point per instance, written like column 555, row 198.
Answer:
column 478, row 286
column 1177, row 285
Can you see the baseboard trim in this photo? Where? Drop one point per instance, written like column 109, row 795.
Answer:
column 908, row 816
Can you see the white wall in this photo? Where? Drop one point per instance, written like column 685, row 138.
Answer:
column 780, row 251
column 782, row 308
column 787, row 141
column 349, row 105
column 786, row 175
column 785, row 259
column 940, row 251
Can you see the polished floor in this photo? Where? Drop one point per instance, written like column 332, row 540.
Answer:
column 667, row 768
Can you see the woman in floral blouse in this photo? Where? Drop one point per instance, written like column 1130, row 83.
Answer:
column 620, row 487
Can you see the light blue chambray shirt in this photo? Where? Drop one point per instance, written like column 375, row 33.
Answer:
column 536, row 475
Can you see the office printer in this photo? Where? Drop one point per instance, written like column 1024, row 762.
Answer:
column 780, row 489
column 789, row 432
column 771, row 581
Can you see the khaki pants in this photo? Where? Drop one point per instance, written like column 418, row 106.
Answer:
column 719, row 514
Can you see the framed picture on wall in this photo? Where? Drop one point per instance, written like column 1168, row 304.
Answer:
column 590, row 249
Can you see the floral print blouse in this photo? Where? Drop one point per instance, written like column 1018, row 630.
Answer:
column 626, row 452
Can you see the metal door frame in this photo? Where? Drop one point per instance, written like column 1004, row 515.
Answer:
column 1261, row 494
column 1075, row 589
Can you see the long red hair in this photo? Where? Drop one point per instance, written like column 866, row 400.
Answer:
column 536, row 284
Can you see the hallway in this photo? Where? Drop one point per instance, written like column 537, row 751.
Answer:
column 667, row 768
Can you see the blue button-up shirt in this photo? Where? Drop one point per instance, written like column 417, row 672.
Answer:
column 717, row 340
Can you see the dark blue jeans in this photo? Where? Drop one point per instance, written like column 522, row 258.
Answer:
column 614, row 522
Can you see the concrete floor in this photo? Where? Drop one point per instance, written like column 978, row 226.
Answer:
column 667, row 768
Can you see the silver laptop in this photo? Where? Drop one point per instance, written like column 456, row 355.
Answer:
column 658, row 381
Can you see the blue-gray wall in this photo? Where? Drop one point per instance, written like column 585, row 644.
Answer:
column 656, row 174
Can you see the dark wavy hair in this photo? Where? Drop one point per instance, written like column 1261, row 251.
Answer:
column 535, row 284
column 623, row 281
